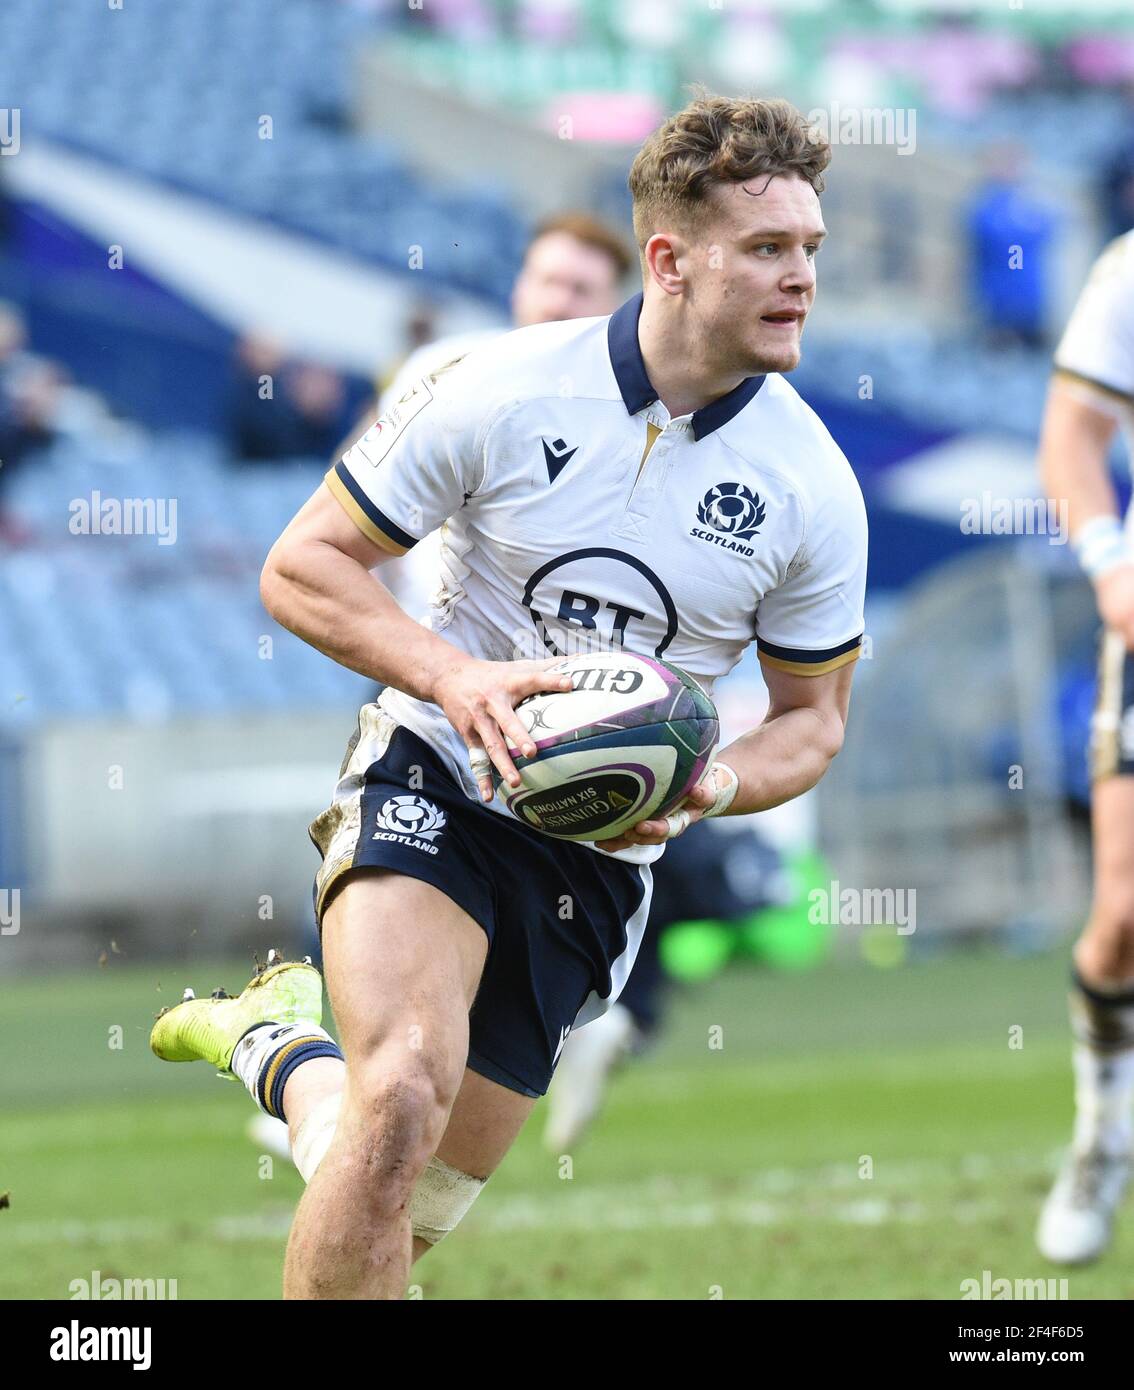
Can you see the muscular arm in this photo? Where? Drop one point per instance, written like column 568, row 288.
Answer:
column 317, row 583
column 800, row 736
column 1074, row 445
column 1077, row 432
column 782, row 758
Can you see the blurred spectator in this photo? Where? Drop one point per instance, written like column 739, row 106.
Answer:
column 281, row 409
column 1115, row 187
column 5, row 213
column 1117, row 190
column 1010, row 232
column 317, row 395
column 39, row 404
column 421, row 326
column 13, row 340
column 34, row 392
column 30, row 390
column 255, row 416
column 419, row 331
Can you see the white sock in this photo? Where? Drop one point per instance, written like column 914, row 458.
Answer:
column 1104, row 1099
column 314, row 1135
column 267, row 1055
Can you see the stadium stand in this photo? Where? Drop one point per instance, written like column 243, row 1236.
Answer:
column 126, row 624
column 206, row 75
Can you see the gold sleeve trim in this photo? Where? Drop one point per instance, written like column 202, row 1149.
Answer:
column 1111, row 392
column 359, row 517
column 806, row 668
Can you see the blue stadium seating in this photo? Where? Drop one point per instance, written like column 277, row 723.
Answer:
column 950, row 384
column 104, row 625
column 176, row 92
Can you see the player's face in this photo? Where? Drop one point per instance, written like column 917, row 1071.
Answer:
column 751, row 273
column 563, row 279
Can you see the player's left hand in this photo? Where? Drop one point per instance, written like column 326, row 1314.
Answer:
column 657, row 832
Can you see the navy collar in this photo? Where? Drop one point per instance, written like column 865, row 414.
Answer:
column 634, row 384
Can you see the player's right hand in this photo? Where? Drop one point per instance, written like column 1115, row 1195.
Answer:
column 479, row 699
column 1115, row 591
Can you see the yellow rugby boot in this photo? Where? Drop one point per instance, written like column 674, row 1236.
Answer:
column 207, row 1030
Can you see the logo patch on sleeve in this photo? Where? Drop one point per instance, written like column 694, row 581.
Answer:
column 378, row 440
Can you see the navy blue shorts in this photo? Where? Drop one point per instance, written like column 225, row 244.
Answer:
column 563, row 921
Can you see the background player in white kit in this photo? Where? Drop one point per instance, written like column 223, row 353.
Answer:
column 567, row 503
column 573, row 268
column 1092, row 392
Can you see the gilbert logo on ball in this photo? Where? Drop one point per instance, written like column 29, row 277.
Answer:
column 628, row 742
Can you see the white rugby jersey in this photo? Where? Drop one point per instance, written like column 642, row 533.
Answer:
column 414, row 581
column 577, row 512
column 430, row 358
column 1097, row 347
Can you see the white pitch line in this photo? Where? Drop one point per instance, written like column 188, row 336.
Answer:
column 526, row 1214
column 777, row 1196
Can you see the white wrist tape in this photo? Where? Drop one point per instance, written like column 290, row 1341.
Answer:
column 1102, row 546
column 726, row 794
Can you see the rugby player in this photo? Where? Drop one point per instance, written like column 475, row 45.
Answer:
column 1091, row 393
column 573, row 268
column 577, row 468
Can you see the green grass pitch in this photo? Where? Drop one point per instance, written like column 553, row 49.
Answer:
column 733, row 1171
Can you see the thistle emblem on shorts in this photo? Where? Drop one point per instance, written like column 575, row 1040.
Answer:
column 411, row 815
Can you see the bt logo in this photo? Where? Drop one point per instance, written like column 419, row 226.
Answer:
column 599, row 599
column 582, row 610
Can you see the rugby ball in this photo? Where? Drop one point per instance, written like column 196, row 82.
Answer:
column 628, row 742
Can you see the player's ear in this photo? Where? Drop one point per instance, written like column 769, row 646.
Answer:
column 663, row 251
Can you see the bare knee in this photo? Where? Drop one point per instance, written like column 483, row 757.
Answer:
column 395, row 1116
column 1105, row 952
